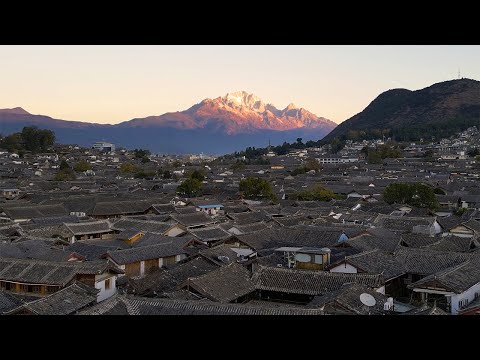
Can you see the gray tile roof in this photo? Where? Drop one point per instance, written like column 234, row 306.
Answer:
column 89, row 251
column 35, row 211
column 152, row 226
column 248, row 217
column 224, row 284
column 160, row 280
column 347, row 298
column 376, row 262
column 207, row 234
column 402, row 223
column 8, row 302
column 128, row 256
column 189, row 220
column 89, row 227
column 131, row 305
column 458, row 278
column 307, row 282
column 426, row 262
column 48, row 272
column 66, row 301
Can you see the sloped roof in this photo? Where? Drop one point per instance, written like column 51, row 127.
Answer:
column 65, row 301
column 89, row 227
column 35, row 211
column 309, row 282
column 426, row 262
column 49, row 272
column 213, row 233
column 198, row 218
column 152, row 226
column 457, row 279
column 348, row 297
column 127, row 256
column 224, row 284
column 8, row 302
column 376, row 262
column 131, row 305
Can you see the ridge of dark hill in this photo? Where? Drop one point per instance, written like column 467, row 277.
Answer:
column 439, row 110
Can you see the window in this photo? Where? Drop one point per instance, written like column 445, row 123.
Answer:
column 462, row 303
column 108, row 284
column 477, row 294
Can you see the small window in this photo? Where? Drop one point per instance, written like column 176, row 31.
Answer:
column 477, row 294
column 108, row 284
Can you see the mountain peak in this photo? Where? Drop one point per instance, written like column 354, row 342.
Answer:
column 290, row 106
column 242, row 98
column 15, row 110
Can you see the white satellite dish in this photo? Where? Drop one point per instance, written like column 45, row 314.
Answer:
column 367, row 300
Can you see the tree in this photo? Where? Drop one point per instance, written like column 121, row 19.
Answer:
column 64, row 165
column 256, row 188
column 416, row 194
column 197, row 174
column 190, row 187
column 312, row 164
column 315, row 193
column 12, row 143
column 141, row 153
column 64, row 175
column 374, row 158
column 473, row 152
column 167, row 174
column 36, row 140
column 477, row 158
column 128, row 168
column 337, row 145
column 428, row 154
column 82, row 166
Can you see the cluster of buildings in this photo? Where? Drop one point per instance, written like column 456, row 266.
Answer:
column 113, row 243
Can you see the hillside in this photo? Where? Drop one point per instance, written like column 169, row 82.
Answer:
column 437, row 111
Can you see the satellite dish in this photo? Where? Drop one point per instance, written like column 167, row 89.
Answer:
column 367, row 300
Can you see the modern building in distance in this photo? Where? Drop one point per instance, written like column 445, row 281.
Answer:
column 104, row 146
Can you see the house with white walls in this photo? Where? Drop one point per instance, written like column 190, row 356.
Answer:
column 454, row 288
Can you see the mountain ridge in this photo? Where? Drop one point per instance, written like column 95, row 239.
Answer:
column 240, row 116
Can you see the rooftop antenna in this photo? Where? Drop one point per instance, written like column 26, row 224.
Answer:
column 459, row 73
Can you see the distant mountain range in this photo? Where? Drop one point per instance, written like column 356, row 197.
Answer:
column 437, row 111
column 216, row 126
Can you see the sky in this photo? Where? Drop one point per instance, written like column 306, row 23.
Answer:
column 111, row 84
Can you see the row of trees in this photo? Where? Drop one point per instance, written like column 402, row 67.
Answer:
column 30, row 139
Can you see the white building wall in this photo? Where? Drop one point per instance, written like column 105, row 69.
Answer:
column 105, row 294
column 469, row 295
column 344, row 268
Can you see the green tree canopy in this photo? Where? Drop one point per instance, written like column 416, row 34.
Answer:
column 128, row 168
column 64, row 165
column 82, row 165
column 64, row 175
column 197, row 174
column 190, row 188
column 316, row 192
column 256, row 188
column 37, row 140
column 416, row 194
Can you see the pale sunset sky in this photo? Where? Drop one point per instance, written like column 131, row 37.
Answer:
column 110, row 84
